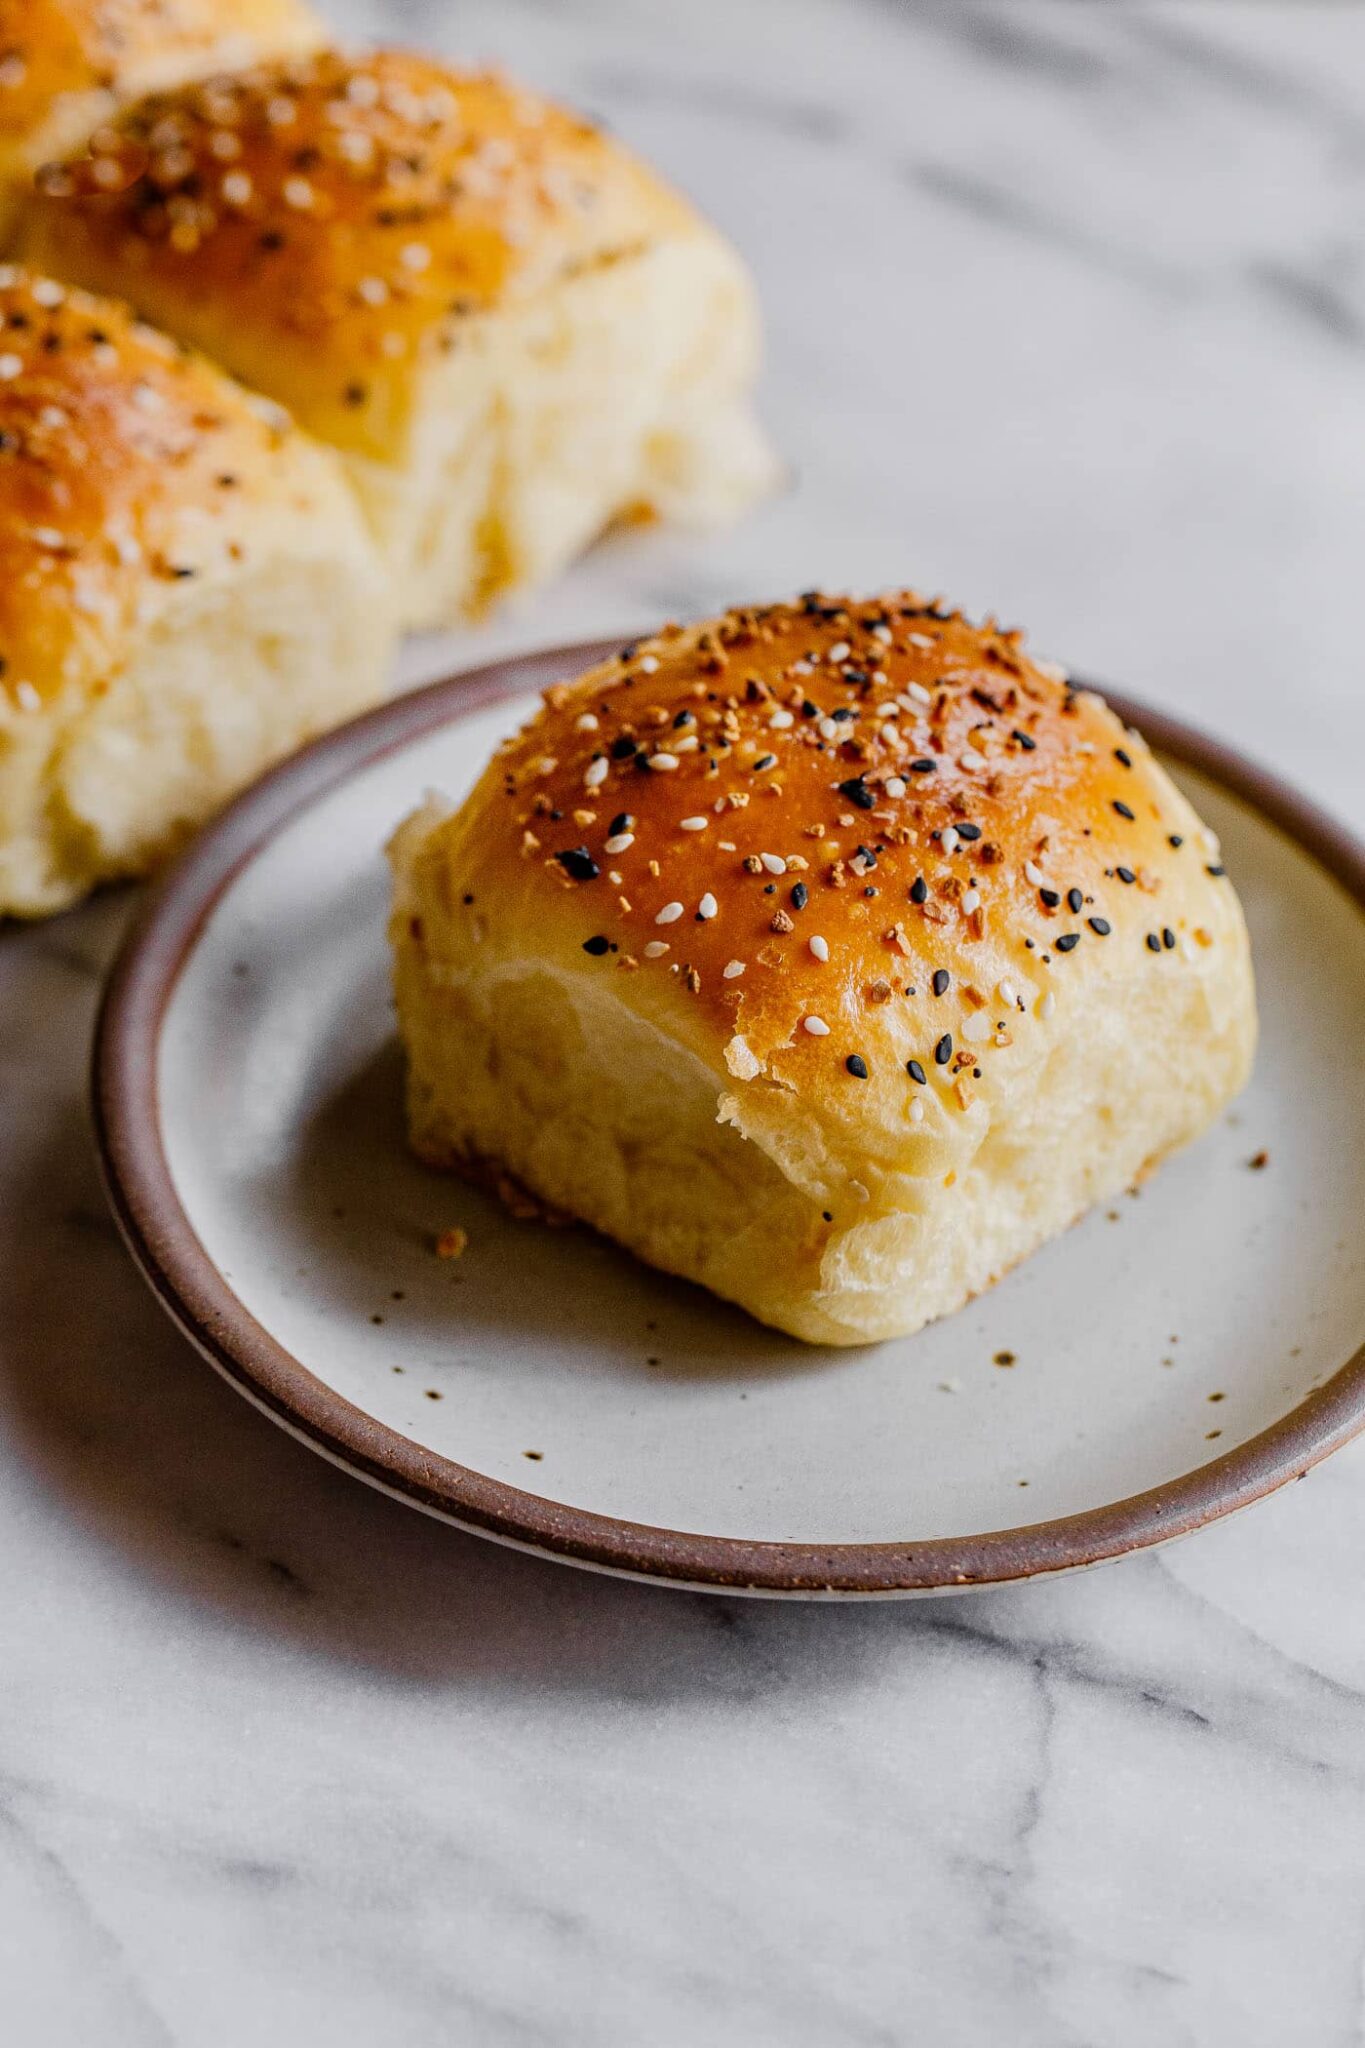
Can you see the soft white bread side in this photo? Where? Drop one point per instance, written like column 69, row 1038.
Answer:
column 834, row 955
column 512, row 331
column 187, row 592
column 65, row 65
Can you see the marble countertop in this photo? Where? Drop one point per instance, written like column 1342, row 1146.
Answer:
column 1067, row 318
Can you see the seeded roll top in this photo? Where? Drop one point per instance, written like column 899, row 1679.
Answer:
column 327, row 225
column 65, row 63
column 857, row 845
column 128, row 467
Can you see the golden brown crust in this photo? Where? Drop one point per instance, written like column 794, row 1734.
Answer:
column 328, row 225
column 126, row 464
column 872, row 817
column 58, row 53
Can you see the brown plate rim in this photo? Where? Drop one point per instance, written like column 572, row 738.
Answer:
column 198, row 1298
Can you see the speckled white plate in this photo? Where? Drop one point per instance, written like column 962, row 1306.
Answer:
column 1174, row 1357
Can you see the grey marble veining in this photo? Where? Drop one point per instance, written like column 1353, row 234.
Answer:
column 1067, row 316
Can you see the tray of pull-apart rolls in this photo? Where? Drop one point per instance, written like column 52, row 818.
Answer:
column 791, row 1112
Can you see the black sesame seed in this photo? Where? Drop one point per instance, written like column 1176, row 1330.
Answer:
column 1123, row 810
column 941, row 981
column 629, row 653
column 857, row 792
column 597, row 946
column 1101, row 925
column 1067, row 941
column 1074, row 900
column 1168, row 938
column 763, row 762
column 578, row 862
column 684, row 718
column 919, row 889
column 1119, row 755
column 800, row 896
column 1125, row 874
column 1026, row 741
column 943, row 1051
column 1215, row 869
column 917, row 1073
column 857, row 1066
column 843, row 713
column 924, row 766
column 622, row 747
column 1153, row 943
column 1050, row 897
column 969, row 832
column 1175, row 839
column 869, row 890
column 624, row 821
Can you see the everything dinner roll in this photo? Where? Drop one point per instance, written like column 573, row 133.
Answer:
column 64, row 64
column 832, row 954
column 187, row 591
column 510, row 328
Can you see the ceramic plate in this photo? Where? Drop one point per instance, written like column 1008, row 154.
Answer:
column 1175, row 1356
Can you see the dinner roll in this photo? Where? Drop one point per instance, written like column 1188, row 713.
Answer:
column 187, row 591
column 64, row 64
column 512, row 331
column 832, row 954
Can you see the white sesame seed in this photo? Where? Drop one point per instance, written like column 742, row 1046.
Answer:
column 670, row 914
column 28, row 697
column 49, row 537
column 1047, row 1004
column 882, row 633
column 224, row 145
column 298, row 193
column 971, row 900
column 361, row 89
column 663, row 763
column 656, row 949
column 47, row 292
column 840, row 651
column 697, row 824
column 236, row 188
column 355, row 145
column 1008, row 992
column 1033, row 873
column 801, row 668
column 688, row 744
column 708, row 906
column 951, row 842
column 546, row 765
column 780, row 720
column 970, row 759
column 280, row 112
column 977, row 1027
column 816, row 1026
column 147, row 398
column 9, row 277
column 414, row 256
column 732, row 970
column 895, row 786
column 595, row 773
column 819, row 947
column 828, row 729
column 649, row 664
column 586, row 722
column 727, row 846
column 917, row 1111
column 890, row 736
column 10, row 366
column 372, row 290
column 774, row 863
column 917, row 690
column 618, row 842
